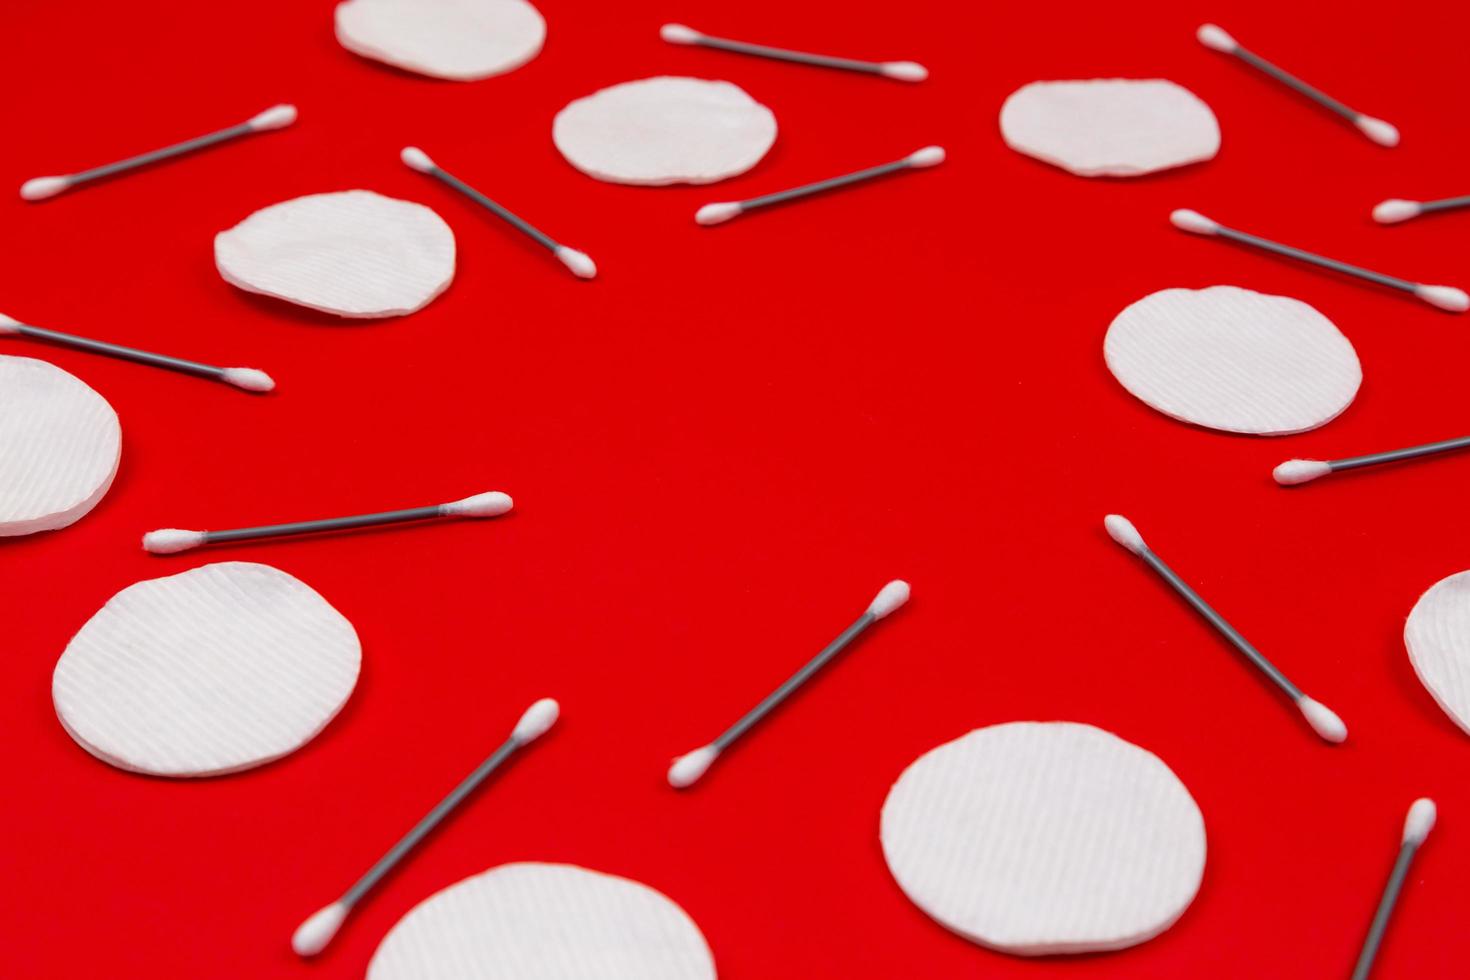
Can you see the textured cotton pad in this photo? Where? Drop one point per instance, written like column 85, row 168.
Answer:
column 1045, row 837
column 665, row 131
column 352, row 253
column 544, row 922
column 1115, row 127
column 210, row 671
column 1438, row 637
column 1232, row 359
column 461, row 40
column 60, row 444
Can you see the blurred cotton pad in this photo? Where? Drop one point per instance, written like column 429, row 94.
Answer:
column 1045, row 837
column 210, row 671
column 1438, row 637
column 60, row 444
column 460, row 40
column 1233, row 359
column 352, row 253
column 665, row 130
column 544, row 922
column 1114, row 127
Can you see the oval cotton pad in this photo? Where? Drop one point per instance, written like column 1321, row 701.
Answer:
column 461, row 40
column 210, row 671
column 665, row 130
column 352, row 253
column 544, row 922
column 1235, row 360
column 1045, row 837
column 1114, row 127
column 60, row 443
column 1438, row 637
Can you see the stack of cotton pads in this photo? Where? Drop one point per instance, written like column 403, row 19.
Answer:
column 458, row 40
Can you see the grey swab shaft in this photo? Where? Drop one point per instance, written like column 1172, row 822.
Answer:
column 1428, row 448
column 1291, row 81
column 327, row 524
column 143, row 159
column 1225, row 629
column 116, row 350
column 513, row 219
column 431, row 820
column 825, row 185
column 782, row 54
column 1385, row 910
column 1444, row 204
column 796, row 680
column 1326, row 263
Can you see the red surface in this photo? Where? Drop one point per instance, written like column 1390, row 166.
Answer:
column 719, row 450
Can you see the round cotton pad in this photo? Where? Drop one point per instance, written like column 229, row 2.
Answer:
column 60, row 444
column 1045, row 837
column 461, row 40
column 1438, row 637
column 1115, row 127
column 352, row 253
column 665, row 131
column 214, row 670
column 544, row 922
column 1235, row 360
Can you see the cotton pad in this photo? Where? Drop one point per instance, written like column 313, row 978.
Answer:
column 461, row 40
column 1235, row 360
column 544, row 922
column 665, row 130
column 210, row 671
column 1045, row 837
column 1113, row 127
column 352, row 253
column 60, row 444
column 1438, row 637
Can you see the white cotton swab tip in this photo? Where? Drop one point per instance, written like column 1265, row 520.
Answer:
column 904, row 71
column 491, row 504
column 8, row 325
column 687, row 769
column 718, row 213
column 1324, row 720
column 1380, row 132
column 679, row 34
column 1444, row 297
column 1215, row 37
column 1295, row 471
column 40, row 188
column 929, row 156
column 1395, row 210
column 889, row 598
column 1192, row 221
column 537, row 721
column 248, row 378
column 276, row 117
column 580, row 263
column 1420, row 821
column 171, row 541
column 1121, row 530
column 416, row 159
column 312, row 936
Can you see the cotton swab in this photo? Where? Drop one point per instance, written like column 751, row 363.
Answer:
column 247, row 378
column 40, row 188
column 1376, row 130
column 714, row 214
column 313, row 935
column 168, row 541
column 904, row 71
column 1295, row 471
column 1417, row 826
column 580, row 263
column 1394, row 210
column 1323, row 721
column 1444, row 297
column 687, row 769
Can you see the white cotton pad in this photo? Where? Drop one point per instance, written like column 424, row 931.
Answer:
column 60, row 444
column 544, row 922
column 1233, row 359
column 352, row 253
column 1438, row 637
column 1112, row 127
column 665, row 130
column 461, row 40
column 1045, row 837
column 210, row 671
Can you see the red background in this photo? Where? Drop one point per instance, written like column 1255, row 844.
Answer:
column 719, row 450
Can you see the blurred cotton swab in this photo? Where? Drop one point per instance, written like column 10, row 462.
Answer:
column 247, row 378
column 713, row 214
column 313, row 935
column 1295, row 471
column 580, row 263
column 1417, row 826
column 687, row 769
column 1394, row 210
column 1376, row 130
column 904, row 71
column 1444, row 297
column 172, row 540
column 40, row 188
column 1323, row 721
